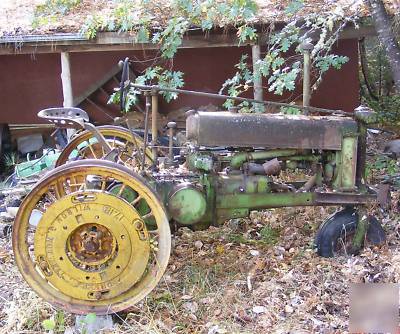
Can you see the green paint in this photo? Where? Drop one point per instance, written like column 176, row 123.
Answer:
column 263, row 201
column 33, row 167
column 240, row 158
column 349, row 162
column 346, row 162
column 237, row 183
column 361, row 230
column 187, row 205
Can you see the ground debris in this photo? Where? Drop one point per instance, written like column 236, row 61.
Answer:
column 255, row 275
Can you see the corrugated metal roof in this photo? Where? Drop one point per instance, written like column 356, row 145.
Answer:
column 42, row 38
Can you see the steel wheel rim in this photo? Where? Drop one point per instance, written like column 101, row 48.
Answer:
column 137, row 292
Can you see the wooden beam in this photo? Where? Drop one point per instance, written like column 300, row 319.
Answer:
column 258, row 89
column 109, row 41
column 108, row 76
column 112, row 41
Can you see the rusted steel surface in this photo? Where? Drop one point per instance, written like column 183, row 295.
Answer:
column 268, row 130
column 91, row 243
column 343, row 198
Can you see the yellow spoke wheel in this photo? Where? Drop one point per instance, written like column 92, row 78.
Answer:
column 86, row 146
column 82, row 238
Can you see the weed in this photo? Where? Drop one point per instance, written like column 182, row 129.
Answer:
column 269, row 235
column 202, row 279
column 51, row 9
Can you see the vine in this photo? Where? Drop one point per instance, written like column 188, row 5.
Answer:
column 283, row 61
column 281, row 66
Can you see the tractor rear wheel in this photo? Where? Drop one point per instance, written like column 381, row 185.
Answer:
column 85, row 146
column 92, row 236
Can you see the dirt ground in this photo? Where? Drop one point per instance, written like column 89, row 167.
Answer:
column 255, row 275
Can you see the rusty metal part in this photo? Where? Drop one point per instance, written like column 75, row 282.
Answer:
column 309, row 184
column 344, row 198
column 146, row 127
column 154, row 125
column 253, row 168
column 62, row 265
column 271, row 167
column 239, row 99
column 306, row 48
column 384, row 196
column 239, row 158
column 286, row 199
column 91, row 243
column 362, row 144
column 98, row 135
column 171, row 131
column 136, row 142
column 268, row 130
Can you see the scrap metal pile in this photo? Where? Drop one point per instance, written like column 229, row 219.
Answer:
column 94, row 234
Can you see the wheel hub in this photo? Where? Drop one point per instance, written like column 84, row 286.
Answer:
column 92, row 243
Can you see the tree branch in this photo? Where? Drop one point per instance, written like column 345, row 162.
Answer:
column 386, row 36
column 364, row 69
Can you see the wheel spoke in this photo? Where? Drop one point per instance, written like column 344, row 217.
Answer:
column 147, row 215
column 121, row 190
column 136, row 201
column 92, row 151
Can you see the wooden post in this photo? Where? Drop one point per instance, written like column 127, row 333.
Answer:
column 258, row 91
column 307, row 47
column 66, row 80
column 154, row 125
column 67, row 86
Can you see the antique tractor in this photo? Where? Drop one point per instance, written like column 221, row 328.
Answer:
column 94, row 233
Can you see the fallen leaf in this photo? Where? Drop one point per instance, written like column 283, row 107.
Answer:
column 259, row 309
column 192, row 307
column 254, row 252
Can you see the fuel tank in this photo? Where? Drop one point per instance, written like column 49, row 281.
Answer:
column 268, row 130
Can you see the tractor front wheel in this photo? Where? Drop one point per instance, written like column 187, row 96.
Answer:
column 335, row 235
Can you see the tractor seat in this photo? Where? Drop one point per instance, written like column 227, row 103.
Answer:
column 65, row 117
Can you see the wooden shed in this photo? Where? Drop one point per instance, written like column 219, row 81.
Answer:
column 31, row 61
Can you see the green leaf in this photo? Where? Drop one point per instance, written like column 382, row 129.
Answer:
column 277, row 62
column 142, row 35
column 285, row 44
column 49, row 324
column 246, row 33
column 294, row 6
